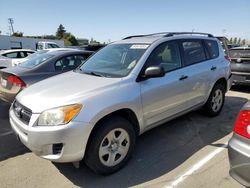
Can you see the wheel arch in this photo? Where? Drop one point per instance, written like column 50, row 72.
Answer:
column 223, row 82
column 125, row 113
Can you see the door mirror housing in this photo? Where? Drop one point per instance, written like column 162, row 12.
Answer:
column 154, row 72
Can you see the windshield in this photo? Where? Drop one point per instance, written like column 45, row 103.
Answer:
column 36, row 60
column 115, row 60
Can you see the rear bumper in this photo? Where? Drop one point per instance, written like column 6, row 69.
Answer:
column 9, row 95
column 239, row 159
column 7, row 98
column 241, row 78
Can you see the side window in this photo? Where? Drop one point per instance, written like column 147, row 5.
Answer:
column 212, row 47
column 193, row 52
column 52, row 46
column 29, row 53
column 11, row 55
column 166, row 55
column 23, row 54
column 68, row 63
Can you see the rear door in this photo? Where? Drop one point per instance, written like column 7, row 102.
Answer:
column 198, row 69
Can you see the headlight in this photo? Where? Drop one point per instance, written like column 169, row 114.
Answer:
column 59, row 116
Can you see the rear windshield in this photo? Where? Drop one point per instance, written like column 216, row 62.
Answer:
column 239, row 53
column 36, row 60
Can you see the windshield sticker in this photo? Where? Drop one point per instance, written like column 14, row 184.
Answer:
column 139, row 46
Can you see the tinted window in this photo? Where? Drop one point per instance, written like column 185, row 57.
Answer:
column 22, row 54
column 29, row 53
column 193, row 52
column 36, row 60
column 52, row 46
column 69, row 63
column 213, row 49
column 11, row 55
column 166, row 55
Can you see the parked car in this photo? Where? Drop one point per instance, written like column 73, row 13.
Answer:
column 10, row 58
column 240, row 65
column 43, row 45
column 123, row 90
column 224, row 42
column 239, row 148
column 40, row 66
column 233, row 46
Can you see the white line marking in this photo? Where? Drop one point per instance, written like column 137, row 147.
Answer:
column 6, row 133
column 196, row 167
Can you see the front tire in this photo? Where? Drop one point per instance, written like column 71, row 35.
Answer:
column 215, row 101
column 110, row 146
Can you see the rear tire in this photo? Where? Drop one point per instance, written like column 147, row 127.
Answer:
column 110, row 146
column 215, row 101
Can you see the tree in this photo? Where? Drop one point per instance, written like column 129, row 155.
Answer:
column 235, row 40
column 231, row 40
column 243, row 42
column 60, row 31
column 70, row 40
column 239, row 41
column 17, row 34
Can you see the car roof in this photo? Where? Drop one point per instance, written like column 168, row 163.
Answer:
column 68, row 52
column 16, row 50
column 151, row 38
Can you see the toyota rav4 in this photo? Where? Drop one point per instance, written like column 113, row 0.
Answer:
column 96, row 112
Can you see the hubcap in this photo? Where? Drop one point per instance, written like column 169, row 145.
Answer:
column 217, row 100
column 114, row 147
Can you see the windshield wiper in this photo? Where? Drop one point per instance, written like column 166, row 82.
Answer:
column 94, row 73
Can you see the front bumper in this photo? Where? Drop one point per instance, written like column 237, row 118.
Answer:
column 239, row 158
column 42, row 140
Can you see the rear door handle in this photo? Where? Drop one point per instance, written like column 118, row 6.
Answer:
column 213, row 68
column 183, row 77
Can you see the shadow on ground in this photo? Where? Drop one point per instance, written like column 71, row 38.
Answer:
column 162, row 149
column 241, row 88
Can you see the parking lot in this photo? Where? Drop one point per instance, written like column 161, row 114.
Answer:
column 187, row 152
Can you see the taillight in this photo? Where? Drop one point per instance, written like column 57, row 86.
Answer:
column 242, row 124
column 227, row 58
column 16, row 81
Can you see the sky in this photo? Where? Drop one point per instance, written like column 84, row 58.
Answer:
column 112, row 20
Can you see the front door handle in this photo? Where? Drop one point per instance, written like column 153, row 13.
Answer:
column 213, row 68
column 183, row 77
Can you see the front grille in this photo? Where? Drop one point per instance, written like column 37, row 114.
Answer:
column 22, row 113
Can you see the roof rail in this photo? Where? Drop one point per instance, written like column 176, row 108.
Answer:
column 170, row 34
column 147, row 35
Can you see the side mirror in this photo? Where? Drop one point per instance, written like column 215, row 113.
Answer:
column 154, row 72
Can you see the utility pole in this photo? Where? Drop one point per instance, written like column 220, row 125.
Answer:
column 11, row 22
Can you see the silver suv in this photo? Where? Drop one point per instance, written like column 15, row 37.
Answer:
column 96, row 112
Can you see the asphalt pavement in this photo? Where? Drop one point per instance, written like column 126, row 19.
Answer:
column 189, row 151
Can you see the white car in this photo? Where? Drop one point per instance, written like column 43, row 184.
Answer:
column 10, row 58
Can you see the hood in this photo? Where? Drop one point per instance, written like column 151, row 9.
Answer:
column 64, row 89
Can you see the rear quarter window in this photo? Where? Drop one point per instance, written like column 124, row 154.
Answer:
column 212, row 48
